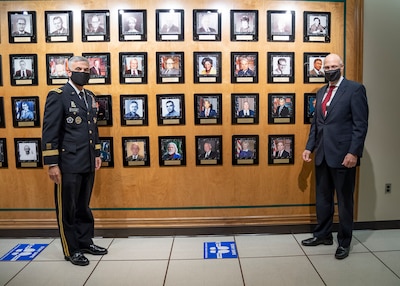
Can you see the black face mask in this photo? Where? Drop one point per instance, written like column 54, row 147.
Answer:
column 80, row 78
column 332, row 75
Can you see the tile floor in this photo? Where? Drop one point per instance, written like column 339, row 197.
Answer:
column 263, row 259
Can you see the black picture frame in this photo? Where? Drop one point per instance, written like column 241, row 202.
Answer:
column 28, row 152
column 245, row 149
column 212, row 102
column 2, row 117
column 25, row 111
column 244, row 67
column 134, row 110
column 310, row 100
column 22, row 27
column 314, row 67
column 133, row 68
column 206, row 25
column 58, row 26
column 317, row 27
column 287, row 142
column 170, row 109
column 132, row 25
column 95, row 25
column 104, row 107
column 101, row 75
column 280, row 26
column 244, row 25
column 280, row 67
column 284, row 115
column 57, row 68
column 245, row 108
column 3, row 153
column 136, row 151
column 107, row 152
column 170, row 25
column 207, row 67
column 209, row 150
column 178, row 157
column 170, row 67
column 27, row 62
column 1, row 72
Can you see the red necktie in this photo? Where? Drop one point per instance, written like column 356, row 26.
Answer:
column 327, row 98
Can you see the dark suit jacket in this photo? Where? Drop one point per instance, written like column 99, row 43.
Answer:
column 344, row 128
column 284, row 112
column 138, row 72
column 93, row 71
column 131, row 115
column 28, row 73
column 285, row 154
column 212, row 113
column 251, row 113
column 211, row 156
column 202, row 30
column 247, row 72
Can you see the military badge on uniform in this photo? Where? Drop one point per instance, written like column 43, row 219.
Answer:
column 73, row 104
column 78, row 120
column 70, row 120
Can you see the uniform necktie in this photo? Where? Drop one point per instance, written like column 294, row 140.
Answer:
column 327, row 98
column 82, row 97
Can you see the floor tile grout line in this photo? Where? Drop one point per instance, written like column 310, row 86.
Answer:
column 240, row 263
column 169, row 259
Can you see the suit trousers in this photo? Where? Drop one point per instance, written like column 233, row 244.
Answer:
column 327, row 181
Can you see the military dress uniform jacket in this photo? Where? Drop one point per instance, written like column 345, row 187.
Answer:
column 70, row 135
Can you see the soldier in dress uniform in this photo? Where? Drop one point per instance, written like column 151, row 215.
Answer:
column 71, row 148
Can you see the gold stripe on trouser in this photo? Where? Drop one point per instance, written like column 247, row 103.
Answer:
column 60, row 220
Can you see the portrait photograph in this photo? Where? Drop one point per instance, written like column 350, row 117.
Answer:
column 207, row 67
column 245, row 150
column 133, row 68
column 280, row 26
column 95, row 25
column 310, row 100
column 172, row 150
column 132, row 25
column 281, row 108
column 25, row 111
column 134, row 110
column 280, row 67
column 245, row 108
column 170, row 25
column 208, row 108
column 136, row 151
column 244, row 67
column 208, row 150
column 106, row 152
column 206, row 25
column 23, row 69
column 170, row 109
column 99, row 65
column 22, row 27
column 244, row 25
column 2, row 118
column 281, row 149
column 58, row 26
column 317, row 27
column 57, row 68
column 314, row 67
column 28, row 153
column 170, row 67
column 104, row 107
column 3, row 153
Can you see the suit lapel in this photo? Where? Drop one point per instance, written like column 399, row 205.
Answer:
column 339, row 92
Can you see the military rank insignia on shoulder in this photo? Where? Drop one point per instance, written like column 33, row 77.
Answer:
column 57, row 90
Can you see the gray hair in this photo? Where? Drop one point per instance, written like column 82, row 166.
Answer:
column 76, row 59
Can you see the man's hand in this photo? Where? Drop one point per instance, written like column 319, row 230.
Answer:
column 98, row 163
column 306, row 155
column 350, row 161
column 55, row 174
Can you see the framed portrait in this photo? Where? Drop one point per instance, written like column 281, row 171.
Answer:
column 170, row 25
column 2, row 119
column 136, row 151
column 317, row 27
column 244, row 67
column 314, row 67
column 281, row 108
column 281, row 149
column 245, row 150
column 245, row 108
column 280, row 67
column 132, row 25
column 28, row 153
column 310, row 100
column 208, row 150
column 57, row 68
column 3, row 153
column 280, row 26
column 104, row 114
column 244, row 25
column 133, row 68
column 207, row 67
column 170, row 109
column 22, row 27
column 100, row 66
column 1, row 72
column 107, row 151
column 58, row 26
column 25, row 111
column 134, row 110
column 170, row 67
column 208, row 108
column 172, row 150
column 95, row 25
column 206, row 25
column 23, row 69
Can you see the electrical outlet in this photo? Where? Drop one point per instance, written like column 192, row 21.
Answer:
column 388, row 188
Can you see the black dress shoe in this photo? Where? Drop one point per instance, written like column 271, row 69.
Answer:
column 342, row 252
column 95, row 250
column 314, row 241
column 78, row 259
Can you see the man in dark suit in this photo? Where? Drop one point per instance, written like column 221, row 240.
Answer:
column 135, row 153
column 208, row 110
column 282, row 110
column 205, row 25
column 23, row 72
column 133, row 68
column 208, row 154
column 244, row 68
column 21, row 24
column 95, row 26
column 246, row 111
column 133, row 108
column 281, row 153
column 337, row 136
column 59, row 28
column 96, row 68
